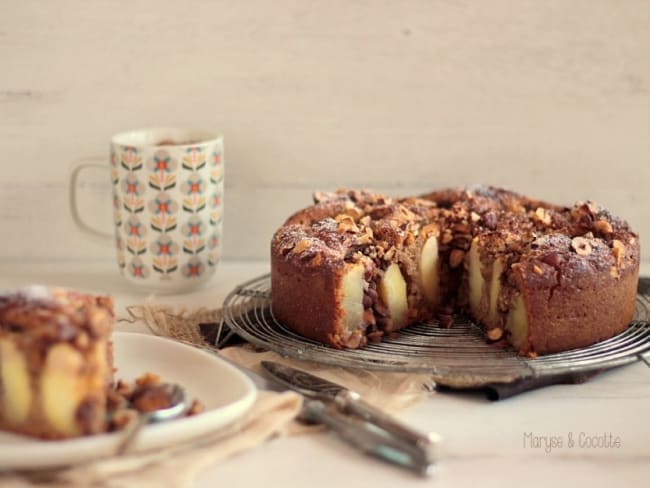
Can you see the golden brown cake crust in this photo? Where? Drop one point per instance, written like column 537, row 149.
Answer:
column 575, row 268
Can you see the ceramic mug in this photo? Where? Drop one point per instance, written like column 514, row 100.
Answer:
column 167, row 205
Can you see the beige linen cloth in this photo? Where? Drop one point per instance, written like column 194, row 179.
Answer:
column 271, row 416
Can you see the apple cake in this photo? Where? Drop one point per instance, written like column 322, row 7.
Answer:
column 55, row 362
column 357, row 266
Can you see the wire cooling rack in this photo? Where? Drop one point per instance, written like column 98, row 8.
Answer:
column 458, row 357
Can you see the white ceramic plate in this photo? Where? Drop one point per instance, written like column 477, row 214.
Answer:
column 226, row 393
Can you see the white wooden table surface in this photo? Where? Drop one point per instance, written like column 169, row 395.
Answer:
column 485, row 442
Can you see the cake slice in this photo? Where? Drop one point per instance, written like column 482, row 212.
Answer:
column 358, row 275
column 55, row 362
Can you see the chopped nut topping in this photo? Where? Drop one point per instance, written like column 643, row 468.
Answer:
column 346, row 223
column 301, row 246
column 538, row 270
column 363, row 239
column 603, row 227
column 388, row 255
column 196, row 408
column 148, row 379
column 495, row 334
column 474, row 217
column 613, row 272
column 619, row 251
column 406, row 213
column 429, row 229
column 456, row 257
column 581, row 246
column 447, row 237
column 543, row 216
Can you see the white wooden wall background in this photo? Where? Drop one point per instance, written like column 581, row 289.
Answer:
column 550, row 98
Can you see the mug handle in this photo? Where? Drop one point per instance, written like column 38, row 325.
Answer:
column 77, row 168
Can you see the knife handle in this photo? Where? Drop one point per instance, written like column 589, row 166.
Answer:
column 370, row 441
column 351, row 402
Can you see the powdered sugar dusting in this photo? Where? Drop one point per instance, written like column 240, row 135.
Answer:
column 39, row 293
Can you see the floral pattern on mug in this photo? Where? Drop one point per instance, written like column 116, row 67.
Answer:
column 164, row 251
column 213, row 241
column 216, row 212
column 167, row 208
column 130, row 158
column 162, row 167
column 194, row 158
column 193, row 232
column 133, row 190
column 136, row 232
column 216, row 171
column 163, row 209
column 194, row 188
column 138, row 269
column 193, row 268
column 213, row 246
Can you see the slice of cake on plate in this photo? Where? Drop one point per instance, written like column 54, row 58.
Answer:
column 55, row 362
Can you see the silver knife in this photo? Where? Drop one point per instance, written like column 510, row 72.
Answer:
column 357, row 434
column 350, row 402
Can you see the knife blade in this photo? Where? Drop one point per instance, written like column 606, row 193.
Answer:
column 368, row 441
column 350, row 402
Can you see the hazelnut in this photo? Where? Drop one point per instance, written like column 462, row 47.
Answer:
column 195, row 408
column 543, row 216
column 618, row 249
column 321, row 196
column 389, row 254
column 363, row 239
column 495, row 334
column 581, row 246
column 301, row 246
column 603, row 227
column 346, row 223
column 456, row 257
column 406, row 213
column 148, row 379
column 429, row 229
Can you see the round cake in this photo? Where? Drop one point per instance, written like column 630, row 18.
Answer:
column 357, row 266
